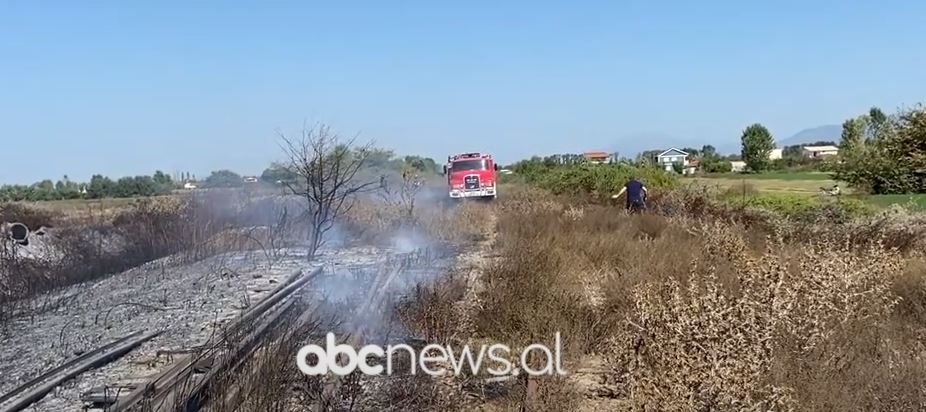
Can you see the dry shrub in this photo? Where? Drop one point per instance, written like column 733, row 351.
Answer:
column 708, row 346
column 560, row 271
column 31, row 216
column 552, row 394
column 460, row 223
column 371, row 221
column 896, row 228
column 903, row 231
column 521, row 306
column 149, row 229
column 375, row 222
column 709, row 308
column 428, row 311
column 414, row 393
column 269, row 380
column 911, row 288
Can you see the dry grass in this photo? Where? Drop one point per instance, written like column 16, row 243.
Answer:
column 96, row 245
column 695, row 312
column 697, row 307
column 371, row 221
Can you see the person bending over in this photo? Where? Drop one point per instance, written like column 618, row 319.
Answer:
column 636, row 195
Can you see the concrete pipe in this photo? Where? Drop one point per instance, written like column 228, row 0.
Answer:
column 19, row 233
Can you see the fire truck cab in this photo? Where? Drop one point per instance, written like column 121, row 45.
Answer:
column 471, row 175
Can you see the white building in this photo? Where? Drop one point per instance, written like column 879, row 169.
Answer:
column 737, row 166
column 775, row 154
column 670, row 157
column 815, row 152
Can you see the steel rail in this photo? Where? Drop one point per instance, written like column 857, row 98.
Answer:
column 34, row 390
column 184, row 385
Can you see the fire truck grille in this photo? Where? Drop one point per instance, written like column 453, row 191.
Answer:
column 471, row 182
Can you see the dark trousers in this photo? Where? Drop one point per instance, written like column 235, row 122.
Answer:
column 636, row 206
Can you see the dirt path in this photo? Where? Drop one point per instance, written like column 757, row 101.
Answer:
column 586, row 375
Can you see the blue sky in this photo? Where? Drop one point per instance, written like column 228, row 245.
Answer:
column 123, row 88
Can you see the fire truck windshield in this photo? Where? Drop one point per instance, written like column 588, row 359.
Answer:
column 461, row 165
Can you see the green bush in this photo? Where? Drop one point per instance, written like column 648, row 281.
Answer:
column 788, row 205
column 805, row 207
column 716, row 165
column 600, row 180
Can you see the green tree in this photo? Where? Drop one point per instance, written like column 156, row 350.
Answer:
column 905, row 145
column 223, row 178
column 692, row 151
column 100, row 187
column 891, row 156
column 757, row 144
column 278, row 172
column 422, row 164
column 379, row 158
column 853, row 136
column 877, row 124
column 648, row 157
column 716, row 164
column 162, row 178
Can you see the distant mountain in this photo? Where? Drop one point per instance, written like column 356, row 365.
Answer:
column 830, row 132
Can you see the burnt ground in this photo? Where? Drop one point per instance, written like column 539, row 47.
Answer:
column 184, row 301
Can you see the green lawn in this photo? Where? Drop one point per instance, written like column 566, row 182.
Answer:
column 765, row 184
column 803, row 183
column 916, row 202
column 770, row 176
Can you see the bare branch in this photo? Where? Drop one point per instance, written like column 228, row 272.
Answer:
column 328, row 169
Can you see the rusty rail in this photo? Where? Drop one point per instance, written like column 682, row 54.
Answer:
column 30, row 392
column 184, row 385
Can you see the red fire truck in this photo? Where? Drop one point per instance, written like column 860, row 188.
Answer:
column 471, row 175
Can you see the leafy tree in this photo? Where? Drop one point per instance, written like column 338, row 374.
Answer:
column 878, row 124
column 716, row 164
column 99, row 187
column 890, row 157
column 708, row 151
column 757, row 144
column 278, row 172
column 162, row 178
column 793, row 151
column 422, row 164
column 648, row 157
column 223, row 178
column 553, row 161
column 377, row 158
column 692, row 151
column 853, row 137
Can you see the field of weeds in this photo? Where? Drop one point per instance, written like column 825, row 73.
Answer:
column 695, row 306
column 700, row 310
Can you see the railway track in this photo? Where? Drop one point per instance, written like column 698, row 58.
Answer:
column 30, row 392
column 187, row 383
column 196, row 375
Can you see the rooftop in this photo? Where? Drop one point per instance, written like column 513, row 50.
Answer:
column 821, row 148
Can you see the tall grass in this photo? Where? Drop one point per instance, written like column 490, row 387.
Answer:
column 696, row 312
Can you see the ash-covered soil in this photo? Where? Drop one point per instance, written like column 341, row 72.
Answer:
column 184, row 301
